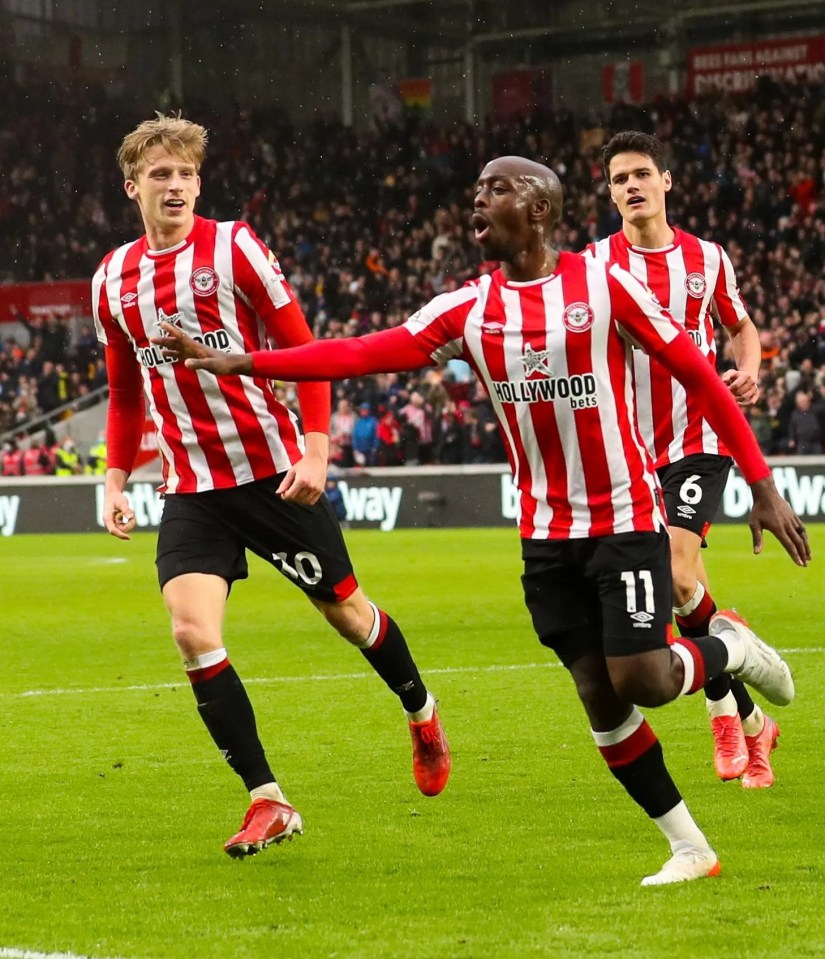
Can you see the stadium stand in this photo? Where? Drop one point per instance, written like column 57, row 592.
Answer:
column 368, row 228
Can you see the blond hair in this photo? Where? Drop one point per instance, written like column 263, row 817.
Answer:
column 177, row 136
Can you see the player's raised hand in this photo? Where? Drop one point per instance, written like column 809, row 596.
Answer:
column 771, row 512
column 178, row 345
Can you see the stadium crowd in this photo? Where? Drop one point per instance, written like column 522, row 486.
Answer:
column 368, row 228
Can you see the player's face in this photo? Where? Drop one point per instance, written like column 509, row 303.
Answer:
column 500, row 215
column 165, row 189
column 637, row 187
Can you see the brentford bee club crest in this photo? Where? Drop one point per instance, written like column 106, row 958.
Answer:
column 578, row 317
column 695, row 284
column 204, row 281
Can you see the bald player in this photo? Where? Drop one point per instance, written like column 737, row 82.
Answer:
column 550, row 335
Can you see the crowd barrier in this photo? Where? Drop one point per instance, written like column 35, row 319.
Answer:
column 385, row 499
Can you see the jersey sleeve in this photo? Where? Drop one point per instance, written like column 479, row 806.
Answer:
column 259, row 279
column 127, row 407
column 389, row 351
column 438, row 328
column 654, row 330
column 126, row 412
column 726, row 294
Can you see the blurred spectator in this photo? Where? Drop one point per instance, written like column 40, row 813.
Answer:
column 69, row 462
column 336, row 500
column 417, row 431
column 96, row 460
column 12, row 459
column 341, row 425
column 38, row 459
column 365, row 436
column 388, row 433
column 804, row 429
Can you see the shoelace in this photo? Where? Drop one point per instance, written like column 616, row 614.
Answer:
column 758, row 751
column 431, row 734
column 690, row 856
column 729, row 737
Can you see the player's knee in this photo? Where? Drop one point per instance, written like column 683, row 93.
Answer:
column 643, row 689
column 191, row 638
column 351, row 620
column 684, row 585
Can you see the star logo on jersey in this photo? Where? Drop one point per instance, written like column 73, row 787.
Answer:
column 578, row 317
column 176, row 319
column 536, row 361
column 695, row 284
column 128, row 298
column 204, row 281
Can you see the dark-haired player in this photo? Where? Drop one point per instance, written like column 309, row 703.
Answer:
column 694, row 280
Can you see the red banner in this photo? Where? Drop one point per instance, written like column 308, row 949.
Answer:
column 734, row 67
column 416, row 93
column 520, row 93
column 623, row 82
column 63, row 298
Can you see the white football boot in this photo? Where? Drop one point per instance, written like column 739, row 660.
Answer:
column 690, row 862
column 762, row 667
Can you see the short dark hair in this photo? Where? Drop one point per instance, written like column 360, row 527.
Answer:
column 634, row 141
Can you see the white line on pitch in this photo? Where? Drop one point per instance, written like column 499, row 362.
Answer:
column 269, row 680
column 312, row 678
column 6, row 953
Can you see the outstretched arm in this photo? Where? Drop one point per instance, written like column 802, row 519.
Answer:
column 662, row 338
column 770, row 511
column 389, row 351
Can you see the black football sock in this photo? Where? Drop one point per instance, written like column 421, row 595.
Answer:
column 634, row 755
column 693, row 620
column 390, row 657
column 227, row 713
column 704, row 658
column 744, row 704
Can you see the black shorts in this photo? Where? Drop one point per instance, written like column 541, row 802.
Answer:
column 693, row 489
column 611, row 594
column 210, row 532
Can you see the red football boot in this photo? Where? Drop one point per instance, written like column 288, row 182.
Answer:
column 266, row 821
column 730, row 754
column 431, row 755
column 759, row 774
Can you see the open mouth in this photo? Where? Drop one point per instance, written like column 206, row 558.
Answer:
column 481, row 228
column 636, row 201
column 174, row 204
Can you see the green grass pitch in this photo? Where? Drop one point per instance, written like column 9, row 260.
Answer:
column 115, row 804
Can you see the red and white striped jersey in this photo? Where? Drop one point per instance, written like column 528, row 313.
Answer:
column 222, row 286
column 557, row 366
column 687, row 277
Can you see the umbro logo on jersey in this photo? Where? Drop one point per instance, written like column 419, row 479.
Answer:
column 641, row 620
column 204, row 281
column 536, row 361
column 695, row 284
column 578, row 317
column 128, row 298
column 685, row 511
column 493, row 327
